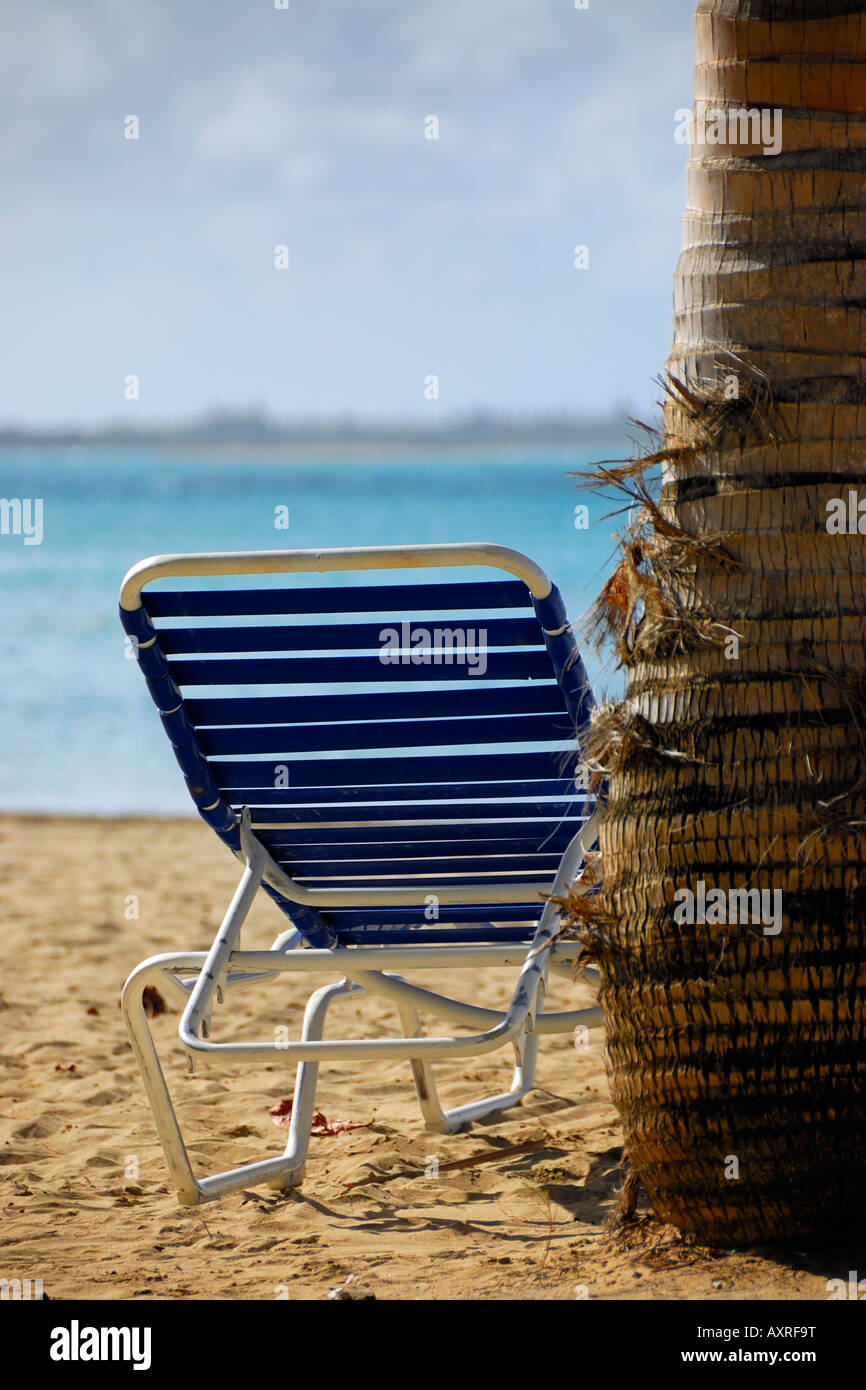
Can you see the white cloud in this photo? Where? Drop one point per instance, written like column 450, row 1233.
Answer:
column 489, row 38
column 308, row 127
column 52, row 49
column 256, row 123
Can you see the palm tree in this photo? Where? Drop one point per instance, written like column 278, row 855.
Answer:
column 737, row 1043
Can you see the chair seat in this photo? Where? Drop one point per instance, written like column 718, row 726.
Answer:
column 382, row 736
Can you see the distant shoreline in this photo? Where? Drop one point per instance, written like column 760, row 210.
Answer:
column 338, row 452
column 222, row 435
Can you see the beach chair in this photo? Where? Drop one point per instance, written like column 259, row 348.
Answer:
column 397, row 766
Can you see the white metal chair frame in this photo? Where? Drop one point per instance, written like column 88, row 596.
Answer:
column 196, row 979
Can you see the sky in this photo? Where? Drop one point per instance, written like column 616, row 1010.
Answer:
column 409, row 258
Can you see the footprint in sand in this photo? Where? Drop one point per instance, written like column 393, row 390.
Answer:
column 10, row 1158
column 105, row 1098
column 39, row 1128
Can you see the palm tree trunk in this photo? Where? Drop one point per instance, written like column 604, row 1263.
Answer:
column 738, row 1053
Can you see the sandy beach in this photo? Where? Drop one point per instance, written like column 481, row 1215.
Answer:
column 86, row 1206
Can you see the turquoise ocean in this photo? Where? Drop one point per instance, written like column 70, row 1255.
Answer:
column 78, row 732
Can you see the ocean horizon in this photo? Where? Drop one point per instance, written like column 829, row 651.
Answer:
column 80, row 735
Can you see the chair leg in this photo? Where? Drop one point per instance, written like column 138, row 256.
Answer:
column 434, row 1116
column 282, row 1172
column 441, row 1121
column 144, row 1048
column 306, row 1078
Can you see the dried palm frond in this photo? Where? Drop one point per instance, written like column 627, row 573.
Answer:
column 719, row 417
column 628, row 594
column 618, row 740
column 640, row 609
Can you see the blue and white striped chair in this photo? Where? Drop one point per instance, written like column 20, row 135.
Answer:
column 422, row 821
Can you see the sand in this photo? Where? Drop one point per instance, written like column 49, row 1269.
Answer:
column 86, row 1205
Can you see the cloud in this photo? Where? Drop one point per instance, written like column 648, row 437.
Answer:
column 256, row 123
column 307, row 126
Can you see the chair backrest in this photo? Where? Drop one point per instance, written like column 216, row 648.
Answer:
column 381, row 735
